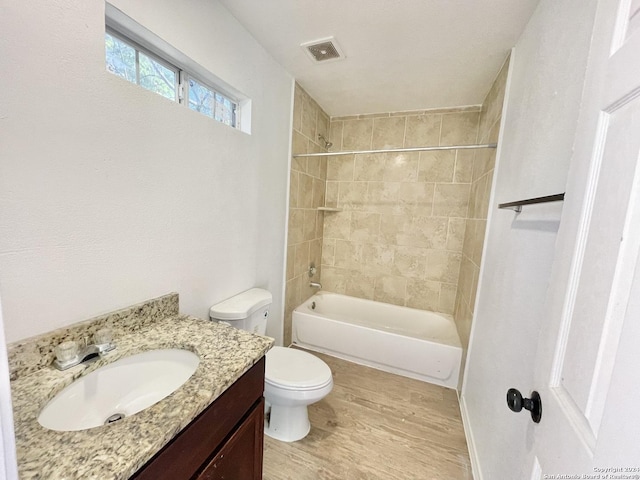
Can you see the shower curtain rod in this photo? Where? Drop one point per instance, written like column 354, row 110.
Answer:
column 394, row 150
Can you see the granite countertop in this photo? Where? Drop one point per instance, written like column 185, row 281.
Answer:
column 118, row 450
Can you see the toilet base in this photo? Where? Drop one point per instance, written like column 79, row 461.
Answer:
column 287, row 424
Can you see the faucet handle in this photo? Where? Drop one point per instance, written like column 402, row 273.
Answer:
column 104, row 340
column 103, row 336
column 66, row 352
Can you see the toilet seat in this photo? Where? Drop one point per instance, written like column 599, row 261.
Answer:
column 291, row 369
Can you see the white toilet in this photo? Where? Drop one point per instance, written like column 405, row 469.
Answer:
column 293, row 379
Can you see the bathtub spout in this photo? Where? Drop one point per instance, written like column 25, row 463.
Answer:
column 315, row 285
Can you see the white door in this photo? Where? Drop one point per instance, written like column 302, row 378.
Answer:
column 593, row 275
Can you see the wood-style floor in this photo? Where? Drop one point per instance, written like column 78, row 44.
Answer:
column 375, row 425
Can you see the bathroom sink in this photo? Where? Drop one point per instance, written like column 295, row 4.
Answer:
column 122, row 388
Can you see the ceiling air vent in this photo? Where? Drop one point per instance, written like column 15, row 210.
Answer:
column 323, row 50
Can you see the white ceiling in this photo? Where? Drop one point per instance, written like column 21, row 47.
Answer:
column 401, row 54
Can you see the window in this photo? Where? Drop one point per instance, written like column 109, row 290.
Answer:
column 167, row 75
column 137, row 66
column 211, row 103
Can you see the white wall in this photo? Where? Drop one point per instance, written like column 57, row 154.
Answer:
column 538, row 129
column 109, row 194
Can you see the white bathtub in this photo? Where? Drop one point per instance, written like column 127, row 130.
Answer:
column 414, row 343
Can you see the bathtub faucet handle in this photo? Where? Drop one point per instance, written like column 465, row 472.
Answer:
column 312, row 270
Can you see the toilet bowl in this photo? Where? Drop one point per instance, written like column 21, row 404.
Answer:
column 294, row 379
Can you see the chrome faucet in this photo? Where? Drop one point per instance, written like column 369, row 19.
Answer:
column 315, row 285
column 69, row 355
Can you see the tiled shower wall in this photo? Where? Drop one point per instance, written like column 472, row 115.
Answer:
column 482, row 179
column 399, row 235
column 306, row 194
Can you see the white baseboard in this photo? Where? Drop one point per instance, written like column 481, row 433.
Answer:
column 471, row 444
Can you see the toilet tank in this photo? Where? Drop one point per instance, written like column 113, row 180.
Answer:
column 247, row 311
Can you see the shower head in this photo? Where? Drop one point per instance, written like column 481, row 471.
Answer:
column 327, row 144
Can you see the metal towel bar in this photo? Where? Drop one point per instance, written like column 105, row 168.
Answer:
column 517, row 206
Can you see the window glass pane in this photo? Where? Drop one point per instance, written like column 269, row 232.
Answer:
column 200, row 98
column 156, row 77
column 225, row 110
column 121, row 58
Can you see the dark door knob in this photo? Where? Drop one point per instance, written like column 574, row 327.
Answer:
column 534, row 404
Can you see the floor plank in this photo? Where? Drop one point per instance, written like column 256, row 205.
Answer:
column 375, row 426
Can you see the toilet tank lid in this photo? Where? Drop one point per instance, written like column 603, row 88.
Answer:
column 242, row 305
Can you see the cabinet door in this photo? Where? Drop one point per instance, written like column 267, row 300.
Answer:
column 240, row 458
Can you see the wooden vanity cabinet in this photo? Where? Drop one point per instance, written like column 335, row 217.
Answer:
column 224, row 442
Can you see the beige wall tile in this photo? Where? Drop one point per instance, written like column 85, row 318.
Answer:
column 348, row 254
column 390, row 290
column 437, row 166
column 484, row 162
column 323, row 168
column 443, row 266
column 318, row 193
column 401, row 167
column 335, row 135
column 356, row 134
column 418, row 197
column 486, row 196
column 494, row 133
column 299, row 145
column 328, row 251
column 313, row 165
column 296, row 226
column 309, row 227
column 309, row 117
column 464, row 166
column 447, row 298
column 301, row 264
column 306, row 290
column 334, row 279
column 465, row 281
column 428, row 232
column 360, row 285
column 455, row 234
column 291, row 256
column 293, row 189
column 475, row 271
column 388, row 132
column 315, row 254
column 305, row 191
column 352, row 195
column 331, row 194
column 322, row 125
column 423, row 130
column 474, row 199
column 365, row 227
column 410, row 262
column 394, row 228
column 459, row 128
column 377, row 258
column 369, row 167
column 398, row 208
column 451, row 200
column 478, row 241
column 337, row 225
column 340, row 168
column 319, row 224
column 423, row 294
column 382, row 197
column 469, row 238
